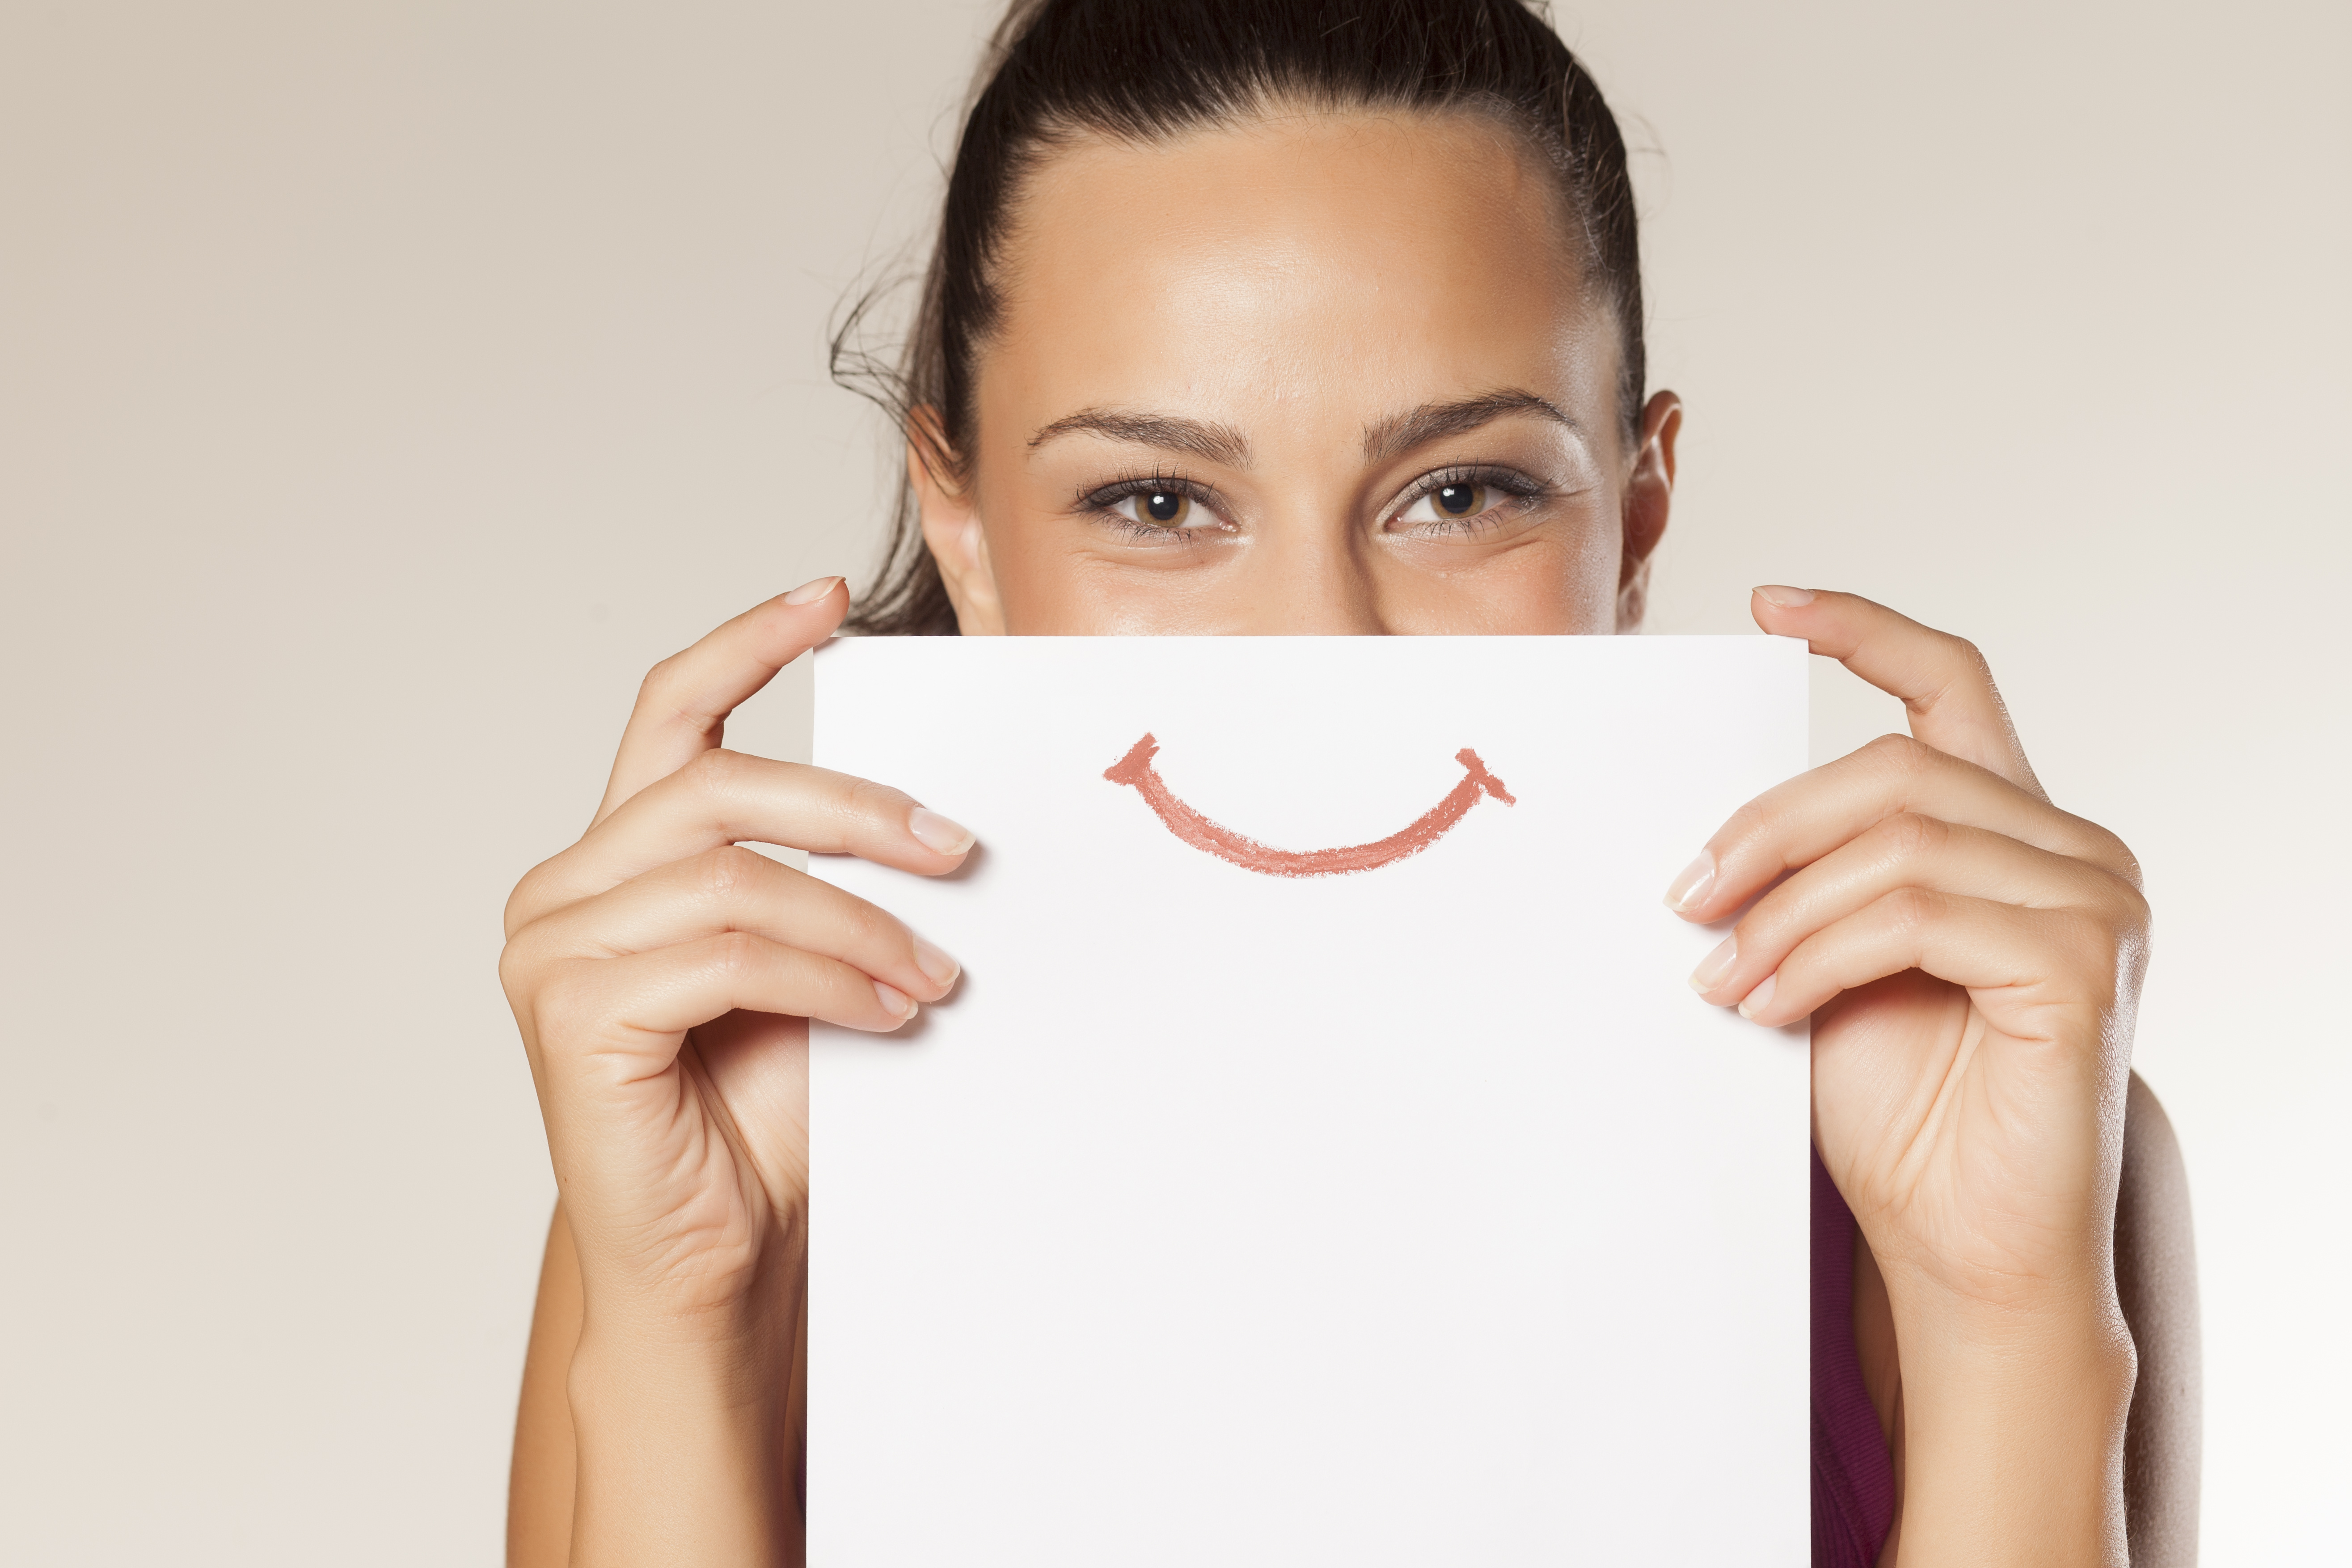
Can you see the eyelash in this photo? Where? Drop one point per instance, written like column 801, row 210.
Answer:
column 1102, row 498
column 1521, row 488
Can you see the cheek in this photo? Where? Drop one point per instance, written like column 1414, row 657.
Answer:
column 1563, row 581
column 1040, row 580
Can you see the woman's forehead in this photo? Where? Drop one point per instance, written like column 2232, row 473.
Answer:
column 1358, row 260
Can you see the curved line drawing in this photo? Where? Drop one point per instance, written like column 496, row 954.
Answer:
column 1186, row 823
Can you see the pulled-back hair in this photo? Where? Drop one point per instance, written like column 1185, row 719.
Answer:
column 1145, row 70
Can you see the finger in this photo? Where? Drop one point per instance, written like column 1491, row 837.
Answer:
column 683, row 706
column 625, row 1018
column 1796, row 823
column 726, row 797
column 730, row 888
column 1945, row 683
column 2040, row 973
column 1906, row 850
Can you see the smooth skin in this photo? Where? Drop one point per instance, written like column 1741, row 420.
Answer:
column 1324, row 374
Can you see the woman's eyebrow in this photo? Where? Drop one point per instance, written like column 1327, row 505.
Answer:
column 1435, row 421
column 1216, row 443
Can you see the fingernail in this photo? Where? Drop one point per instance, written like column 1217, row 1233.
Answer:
column 936, row 833
column 1759, row 998
column 895, row 1002
column 937, row 966
column 1716, row 965
column 1687, row 890
column 810, row 592
column 1787, row 598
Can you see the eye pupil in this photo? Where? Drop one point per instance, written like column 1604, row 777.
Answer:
column 1160, row 506
column 1460, row 500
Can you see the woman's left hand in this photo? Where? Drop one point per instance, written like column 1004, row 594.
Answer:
column 1971, row 956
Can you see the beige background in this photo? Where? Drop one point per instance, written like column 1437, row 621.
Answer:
column 383, row 386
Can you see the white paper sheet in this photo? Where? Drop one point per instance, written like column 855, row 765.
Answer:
column 1415, row 1214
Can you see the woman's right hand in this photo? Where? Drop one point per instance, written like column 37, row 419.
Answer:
column 662, row 977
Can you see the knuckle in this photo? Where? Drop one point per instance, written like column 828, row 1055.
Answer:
column 2092, row 938
column 736, row 954
column 1911, row 833
column 871, row 928
column 1735, row 839
column 2126, row 911
column 1750, row 821
column 2117, row 855
column 563, row 1006
column 848, row 987
column 517, row 972
column 1898, row 754
column 524, row 904
column 1911, row 909
column 2083, row 839
column 1756, row 825
column 512, row 918
column 1768, row 926
column 715, row 772
column 656, row 691
column 869, row 802
column 726, row 873
column 1803, row 968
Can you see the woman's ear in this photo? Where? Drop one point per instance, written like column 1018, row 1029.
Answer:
column 1649, row 494
column 952, row 528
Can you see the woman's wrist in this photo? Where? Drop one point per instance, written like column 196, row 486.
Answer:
column 685, row 1450
column 2014, row 1424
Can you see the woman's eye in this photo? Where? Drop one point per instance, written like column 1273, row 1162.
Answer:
column 1460, row 500
column 1155, row 508
column 1451, row 503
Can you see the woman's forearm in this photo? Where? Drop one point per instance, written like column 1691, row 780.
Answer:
column 686, row 1431
column 684, row 1454
column 538, row 1485
column 2013, row 1431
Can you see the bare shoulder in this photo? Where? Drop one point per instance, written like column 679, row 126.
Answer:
column 2155, row 1278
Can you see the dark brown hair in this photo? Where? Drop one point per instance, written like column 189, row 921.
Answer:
column 1143, row 70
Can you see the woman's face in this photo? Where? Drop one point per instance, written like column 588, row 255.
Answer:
column 1321, row 373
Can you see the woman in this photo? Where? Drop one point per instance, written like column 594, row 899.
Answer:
column 1279, row 316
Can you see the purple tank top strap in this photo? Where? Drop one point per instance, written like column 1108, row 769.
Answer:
column 1853, row 1475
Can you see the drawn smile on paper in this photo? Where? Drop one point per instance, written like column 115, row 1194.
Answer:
column 1134, row 768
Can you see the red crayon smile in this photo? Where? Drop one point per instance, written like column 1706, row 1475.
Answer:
column 1134, row 768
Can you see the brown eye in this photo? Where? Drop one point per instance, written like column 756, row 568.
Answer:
column 1162, row 509
column 1460, row 500
column 1466, row 503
